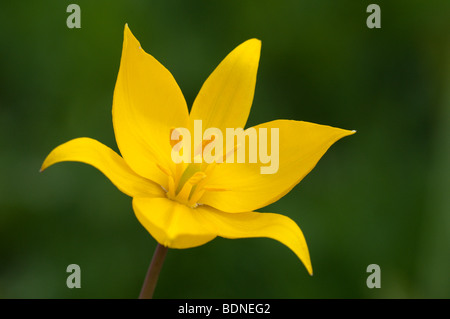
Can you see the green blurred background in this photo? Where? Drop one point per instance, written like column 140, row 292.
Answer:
column 380, row 196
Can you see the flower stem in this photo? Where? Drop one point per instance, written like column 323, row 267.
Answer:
column 153, row 272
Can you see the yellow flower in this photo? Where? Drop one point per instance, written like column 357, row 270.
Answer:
column 186, row 205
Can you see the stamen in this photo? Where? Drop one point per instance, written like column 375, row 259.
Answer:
column 185, row 192
column 186, row 182
column 183, row 195
column 196, row 178
column 196, row 197
column 190, row 171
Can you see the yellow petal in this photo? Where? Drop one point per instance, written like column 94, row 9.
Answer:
column 177, row 226
column 253, row 224
column 226, row 96
column 301, row 145
column 147, row 105
column 172, row 224
column 103, row 158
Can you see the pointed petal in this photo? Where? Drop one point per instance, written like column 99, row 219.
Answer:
column 226, row 96
column 253, row 224
column 301, row 145
column 177, row 226
column 147, row 104
column 172, row 224
column 103, row 158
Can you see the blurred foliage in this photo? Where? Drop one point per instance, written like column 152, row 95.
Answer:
column 380, row 196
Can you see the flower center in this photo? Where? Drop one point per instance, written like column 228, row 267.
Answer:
column 189, row 182
column 187, row 185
